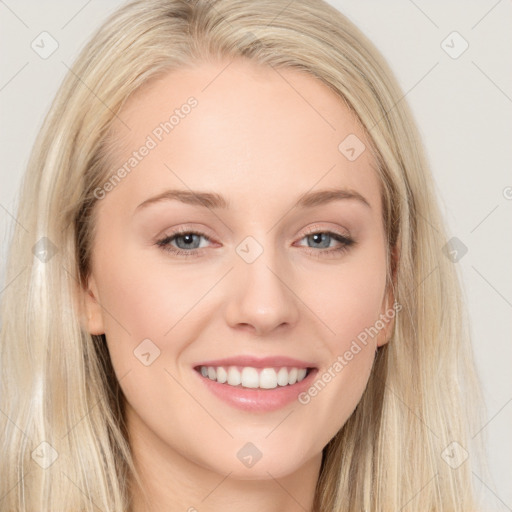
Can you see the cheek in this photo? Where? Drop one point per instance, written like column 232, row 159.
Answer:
column 349, row 303
column 155, row 301
column 348, row 298
column 142, row 297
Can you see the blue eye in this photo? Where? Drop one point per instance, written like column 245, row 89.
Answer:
column 188, row 240
column 188, row 243
column 324, row 238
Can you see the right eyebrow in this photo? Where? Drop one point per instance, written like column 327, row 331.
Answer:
column 195, row 198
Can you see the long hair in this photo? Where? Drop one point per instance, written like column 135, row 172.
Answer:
column 63, row 434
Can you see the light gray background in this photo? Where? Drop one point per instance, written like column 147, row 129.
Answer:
column 463, row 107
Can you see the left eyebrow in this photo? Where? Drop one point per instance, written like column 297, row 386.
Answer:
column 320, row 197
column 213, row 200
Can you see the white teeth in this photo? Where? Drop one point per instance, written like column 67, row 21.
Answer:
column 234, row 377
column 249, row 377
column 222, row 375
column 268, row 378
column 282, row 377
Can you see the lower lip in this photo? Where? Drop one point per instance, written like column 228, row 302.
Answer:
column 258, row 400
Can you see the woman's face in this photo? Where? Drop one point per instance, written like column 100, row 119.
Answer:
column 255, row 281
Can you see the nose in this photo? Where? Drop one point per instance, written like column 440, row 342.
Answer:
column 262, row 298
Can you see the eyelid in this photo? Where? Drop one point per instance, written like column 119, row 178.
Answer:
column 315, row 228
column 184, row 229
column 345, row 240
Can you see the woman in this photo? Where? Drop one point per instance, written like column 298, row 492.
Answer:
column 252, row 371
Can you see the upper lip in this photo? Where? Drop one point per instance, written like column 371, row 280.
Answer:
column 258, row 362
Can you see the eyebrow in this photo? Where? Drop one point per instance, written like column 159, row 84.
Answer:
column 213, row 200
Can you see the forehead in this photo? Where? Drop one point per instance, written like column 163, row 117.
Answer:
column 266, row 131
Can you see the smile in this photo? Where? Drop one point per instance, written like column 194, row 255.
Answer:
column 250, row 377
column 256, row 390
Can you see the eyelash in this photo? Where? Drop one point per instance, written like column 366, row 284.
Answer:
column 346, row 242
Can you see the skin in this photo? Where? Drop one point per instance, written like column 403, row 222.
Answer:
column 261, row 148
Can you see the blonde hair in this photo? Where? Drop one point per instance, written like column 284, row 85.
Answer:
column 57, row 382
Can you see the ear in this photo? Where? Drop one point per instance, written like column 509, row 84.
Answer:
column 93, row 321
column 386, row 320
column 389, row 308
